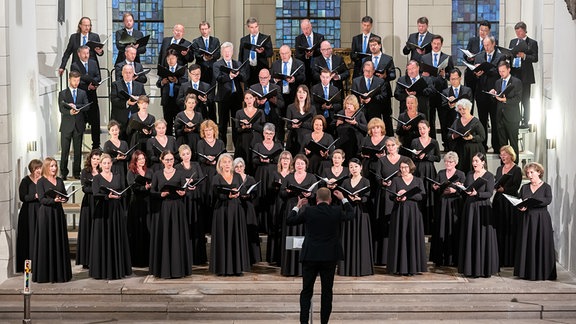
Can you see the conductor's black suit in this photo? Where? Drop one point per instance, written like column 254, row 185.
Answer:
column 321, row 251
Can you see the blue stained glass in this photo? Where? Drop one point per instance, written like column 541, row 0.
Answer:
column 150, row 16
column 466, row 16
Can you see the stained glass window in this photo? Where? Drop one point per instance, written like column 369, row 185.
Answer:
column 466, row 18
column 324, row 16
column 149, row 18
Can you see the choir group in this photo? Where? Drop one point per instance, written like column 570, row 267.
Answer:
column 159, row 186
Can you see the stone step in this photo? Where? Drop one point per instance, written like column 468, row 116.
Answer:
column 289, row 309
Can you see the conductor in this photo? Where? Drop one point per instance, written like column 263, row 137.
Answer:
column 322, row 248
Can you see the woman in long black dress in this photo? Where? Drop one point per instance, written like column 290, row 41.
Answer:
column 278, row 205
column 406, row 249
column 357, row 233
column 318, row 159
column 139, row 211
column 28, row 214
column 51, row 254
column 335, row 172
column 535, row 254
column 209, row 149
column 508, row 180
column 249, row 129
column 390, row 165
column 371, row 165
column 229, row 245
column 91, row 168
column 291, row 265
column 444, row 246
column 109, row 249
column 466, row 147
column 407, row 133
column 115, row 147
column 142, row 128
column 300, row 113
column 425, row 168
column 158, row 144
column 350, row 129
column 265, row 160
column 194, row 201
column 478, row 255
column 187, row 124
column 170, row 246
column 247, row 199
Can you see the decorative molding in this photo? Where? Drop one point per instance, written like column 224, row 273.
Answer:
column 571, row 8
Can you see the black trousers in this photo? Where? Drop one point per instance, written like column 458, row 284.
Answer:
column 508, row 134
column 170, row 109
column 227, row 108
column 74, row 137
column 447, row 116
column 526, row 89
column 93, row 118
column 487, row 107
column 311, row 269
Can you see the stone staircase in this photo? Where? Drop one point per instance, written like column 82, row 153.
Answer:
column 265, row 296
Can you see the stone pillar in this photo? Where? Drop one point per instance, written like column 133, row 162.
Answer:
column 18, row 115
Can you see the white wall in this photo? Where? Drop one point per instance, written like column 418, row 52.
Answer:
column 561, row 118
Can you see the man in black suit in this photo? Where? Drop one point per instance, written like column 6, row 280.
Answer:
column 360, row 44
column 447, row 112
column 72, row 124
column 485, row 82
column 373, row 105
column 302, row 43
column 128, row 30
column 508, row 107
column 184, row 56
column 205, row 104
column 123, row 95
column 385, row 70
column 169, row 87
column 422, row 94
column 89, row 79
column 82, row 36
column 326, row 90
column 475, row 46
column 421, row 38
column 287, row 65
column 258, row 58
column 130, row 59
column 522, row 67
column 209, row 44
column 274, row 105
column 331, row 62
column 322, row 248
column 433, row 59
column 229, row 94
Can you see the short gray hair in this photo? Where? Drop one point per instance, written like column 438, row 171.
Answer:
column 269, row 127
column 227, row 44
column 237, row 161
column 464, row 103
column 451, row 156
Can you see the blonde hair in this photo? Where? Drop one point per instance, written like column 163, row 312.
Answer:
column 222, row 157
column 375, row 122
column 508, row 149
column 46, row 166
column 284, row 154
column 353, row 100
column 208, row 123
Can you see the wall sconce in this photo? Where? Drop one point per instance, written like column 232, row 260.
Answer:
column 551, row 143
column 32, row 146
